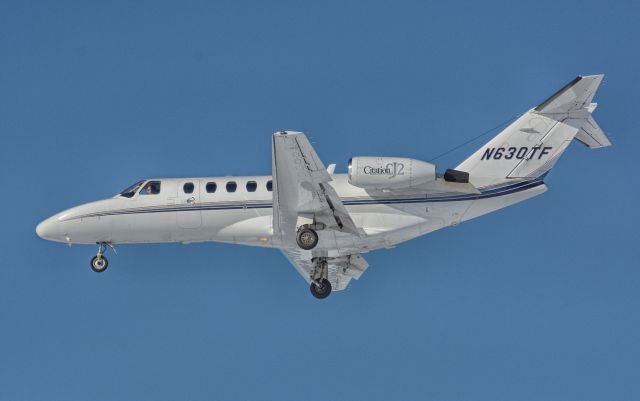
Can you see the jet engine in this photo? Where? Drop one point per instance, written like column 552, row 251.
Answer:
column 390, row 173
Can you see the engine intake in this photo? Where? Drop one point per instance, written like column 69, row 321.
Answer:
column 390, row 172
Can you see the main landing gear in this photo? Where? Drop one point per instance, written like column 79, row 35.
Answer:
column 321, row 289
column 99, row 263
column 307, row 235
column 307, row 238
column 320, row 285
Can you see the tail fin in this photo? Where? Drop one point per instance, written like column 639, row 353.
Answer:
column 530, row 146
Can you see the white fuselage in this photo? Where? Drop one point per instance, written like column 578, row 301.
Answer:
column 322, row 222
column 245, row 217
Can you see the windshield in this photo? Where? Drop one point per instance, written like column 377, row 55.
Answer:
column 129, row 192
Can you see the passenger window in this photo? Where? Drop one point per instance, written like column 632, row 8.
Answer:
column 269, row 185
column 231, row 186
column 151, row 188
column 252, row 186
column 188, row 188
column 211, row 187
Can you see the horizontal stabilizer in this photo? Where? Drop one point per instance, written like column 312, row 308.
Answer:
column 592, row 135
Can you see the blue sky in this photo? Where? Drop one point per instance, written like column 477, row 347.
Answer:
column 536, row 302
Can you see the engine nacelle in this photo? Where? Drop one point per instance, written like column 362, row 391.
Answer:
column 390, row 172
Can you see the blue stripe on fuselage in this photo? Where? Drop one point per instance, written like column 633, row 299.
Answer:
column 354, row 201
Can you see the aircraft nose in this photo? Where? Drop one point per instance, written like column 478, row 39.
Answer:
column 49, row 229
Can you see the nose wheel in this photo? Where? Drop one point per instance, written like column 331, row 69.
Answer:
column 99, row 263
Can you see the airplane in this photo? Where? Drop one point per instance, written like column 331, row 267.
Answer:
column 322, row 221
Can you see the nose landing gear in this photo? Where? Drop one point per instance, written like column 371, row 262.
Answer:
column 99, row 263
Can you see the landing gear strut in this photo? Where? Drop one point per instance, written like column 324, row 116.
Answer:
column 320, row 285
column 99, row 263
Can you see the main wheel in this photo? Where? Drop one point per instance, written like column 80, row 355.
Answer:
column 322, row 289
column 307, row 238
column 99, row 263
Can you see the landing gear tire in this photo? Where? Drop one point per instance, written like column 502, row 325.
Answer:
column 307, row 238
column 99, row 263
column 321, row 289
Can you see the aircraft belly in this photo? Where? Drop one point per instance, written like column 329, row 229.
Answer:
column 483, row 206
column 249, row 226
column 378, row 219
column 387, row 225
column 249, row 230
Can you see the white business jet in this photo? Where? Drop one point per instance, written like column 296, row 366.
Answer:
column 323, row 222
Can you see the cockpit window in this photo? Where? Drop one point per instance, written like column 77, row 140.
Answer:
column 129, row 192
column 151, row 188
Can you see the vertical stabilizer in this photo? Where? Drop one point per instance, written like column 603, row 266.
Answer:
column 531, row 145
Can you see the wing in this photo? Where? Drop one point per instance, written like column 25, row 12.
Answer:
column 341, row 269
column 301, row 188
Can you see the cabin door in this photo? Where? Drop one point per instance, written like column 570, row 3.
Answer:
column 188, row 214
